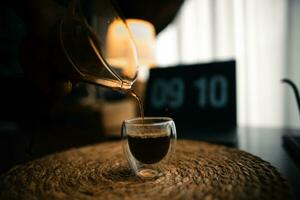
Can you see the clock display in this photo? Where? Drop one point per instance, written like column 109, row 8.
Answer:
column 201, row 96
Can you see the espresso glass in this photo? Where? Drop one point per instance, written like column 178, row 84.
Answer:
column 148, row 144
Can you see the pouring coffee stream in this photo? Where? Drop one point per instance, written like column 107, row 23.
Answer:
column 134, row 94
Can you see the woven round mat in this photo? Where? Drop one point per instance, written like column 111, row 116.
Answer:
column 199, row 171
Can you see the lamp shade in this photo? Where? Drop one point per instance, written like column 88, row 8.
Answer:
column 143, row 34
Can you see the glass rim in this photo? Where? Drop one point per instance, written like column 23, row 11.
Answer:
column 131, row 121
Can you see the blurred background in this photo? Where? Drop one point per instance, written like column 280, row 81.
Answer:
column 261, row 36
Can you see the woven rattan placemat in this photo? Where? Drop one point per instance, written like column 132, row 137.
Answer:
column 199, row 171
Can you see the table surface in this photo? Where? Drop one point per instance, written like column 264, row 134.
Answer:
column 267, row 143
column 197, row 171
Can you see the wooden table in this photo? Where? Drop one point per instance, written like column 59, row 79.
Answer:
column 198, row 171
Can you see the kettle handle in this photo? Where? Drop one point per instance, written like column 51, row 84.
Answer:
column 295, row 89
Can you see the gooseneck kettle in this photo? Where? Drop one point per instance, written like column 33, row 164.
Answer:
column 295, row 89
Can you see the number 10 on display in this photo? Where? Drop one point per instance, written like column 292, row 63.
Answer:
column 211, row 92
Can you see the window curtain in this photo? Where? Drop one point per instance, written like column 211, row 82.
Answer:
column 262, row 38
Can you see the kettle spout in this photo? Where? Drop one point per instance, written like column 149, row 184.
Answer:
column 295, row 89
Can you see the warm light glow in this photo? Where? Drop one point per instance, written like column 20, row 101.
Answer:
column 117, row 44
column 120, row 50
column 144, row 37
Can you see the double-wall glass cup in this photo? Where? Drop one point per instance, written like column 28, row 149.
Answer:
column 148, row 145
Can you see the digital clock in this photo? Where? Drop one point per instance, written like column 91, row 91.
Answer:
column 197, row 97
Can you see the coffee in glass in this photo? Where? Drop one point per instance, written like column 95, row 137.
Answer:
column 148, row 144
